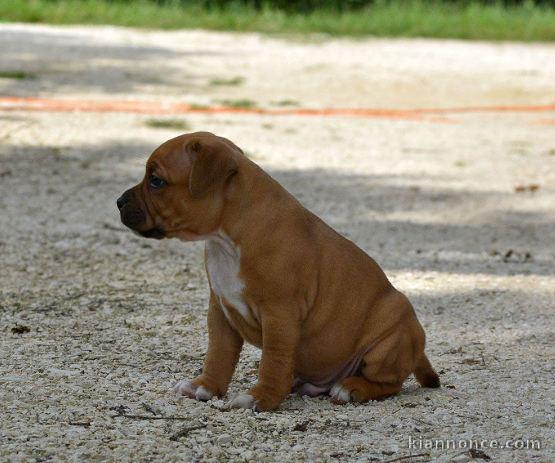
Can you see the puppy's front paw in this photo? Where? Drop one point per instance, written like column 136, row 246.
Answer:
column 193, row 391
column 243, row 401
column 256, row 399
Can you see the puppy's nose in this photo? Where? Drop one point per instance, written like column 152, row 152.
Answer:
column 122, row 200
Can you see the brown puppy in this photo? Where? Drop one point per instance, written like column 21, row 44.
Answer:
column 323, row 312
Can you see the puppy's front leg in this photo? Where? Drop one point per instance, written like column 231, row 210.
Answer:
column 280, row 337
column 224, row 347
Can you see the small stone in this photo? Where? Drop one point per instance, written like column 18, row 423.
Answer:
column 247, row 454
column 224, row 439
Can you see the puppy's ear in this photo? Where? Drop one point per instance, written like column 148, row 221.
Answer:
column 212, row 165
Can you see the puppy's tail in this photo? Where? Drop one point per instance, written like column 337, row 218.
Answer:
column 425, row 374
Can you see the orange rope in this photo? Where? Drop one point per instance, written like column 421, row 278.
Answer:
column 8, row 103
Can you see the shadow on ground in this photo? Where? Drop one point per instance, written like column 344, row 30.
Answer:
column 79, row 185
column 74, row 65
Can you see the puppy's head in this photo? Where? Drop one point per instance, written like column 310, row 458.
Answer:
column 182, row 192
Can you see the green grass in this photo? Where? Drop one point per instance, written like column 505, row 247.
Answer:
column 285, row 103
column 164, row 123
column 15, row 75
column 240, row 104
column 395, row 18
column 234, row 81
column 199, row 107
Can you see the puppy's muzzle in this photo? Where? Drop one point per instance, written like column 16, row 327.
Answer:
column 131, row 215
column 134, row 217
column 122, row 200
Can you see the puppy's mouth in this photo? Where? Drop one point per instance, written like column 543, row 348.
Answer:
column 135, row 218
column 155, row 233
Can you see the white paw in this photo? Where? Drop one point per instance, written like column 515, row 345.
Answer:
column 243, row 401
column 203, row 394
column 185, row 388
column 340, row 394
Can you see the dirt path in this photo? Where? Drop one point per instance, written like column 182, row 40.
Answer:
column 97, row 325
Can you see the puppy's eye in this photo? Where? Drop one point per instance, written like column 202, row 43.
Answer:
column 157, row 182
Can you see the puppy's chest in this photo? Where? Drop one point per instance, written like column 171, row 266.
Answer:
column 223, row 262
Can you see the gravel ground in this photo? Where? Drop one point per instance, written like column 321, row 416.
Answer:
column 97, row 325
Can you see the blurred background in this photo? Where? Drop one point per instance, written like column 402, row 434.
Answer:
column 466, row 19
column 422, row 130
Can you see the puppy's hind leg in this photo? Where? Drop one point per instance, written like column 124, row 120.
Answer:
column 384, row 369
column 359, row 389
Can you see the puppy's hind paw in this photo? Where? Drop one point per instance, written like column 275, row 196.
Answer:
column 339, row 394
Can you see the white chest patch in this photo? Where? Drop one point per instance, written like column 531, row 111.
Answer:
column 223, row 261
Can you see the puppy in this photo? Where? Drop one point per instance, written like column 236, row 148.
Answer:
column 323, row 312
